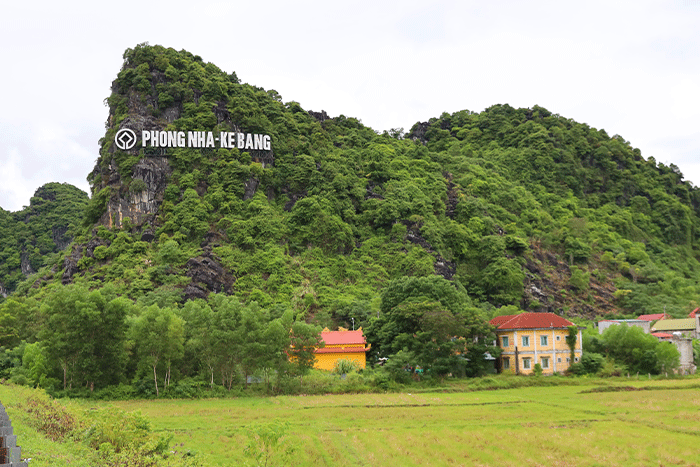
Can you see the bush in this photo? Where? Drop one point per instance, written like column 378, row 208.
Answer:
column 51, row 418
column 384, row 381
column 137, row 186
column 344, row 366
column 611, row 368
column 592, row 362
column 537, row 370
column 116, row 393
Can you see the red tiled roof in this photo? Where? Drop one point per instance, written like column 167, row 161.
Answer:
column 695, row 313
column 654, row 317
column 662, row 335
column 343, row 337
column 531, row 321
column 498, row 320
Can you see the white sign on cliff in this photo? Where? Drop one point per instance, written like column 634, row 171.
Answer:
column 126, row 139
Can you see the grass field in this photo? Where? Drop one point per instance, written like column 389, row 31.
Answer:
column 638, row 423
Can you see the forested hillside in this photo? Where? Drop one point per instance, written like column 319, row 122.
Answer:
column 463, row 217
column 32, row 237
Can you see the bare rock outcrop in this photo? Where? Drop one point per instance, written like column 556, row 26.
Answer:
column 70, row 264
column 207, row 276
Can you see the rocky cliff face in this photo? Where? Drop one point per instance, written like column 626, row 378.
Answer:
column 139, row 199
column 140, row 204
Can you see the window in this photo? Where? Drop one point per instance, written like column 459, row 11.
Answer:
column 504, row 341
column 506, row 363
column 526, row 341
column 526, row 363
column 576, row 359
column 543, row 340
column 558, row 337
column 544, row 361
column 568, row 360
column 559, row 360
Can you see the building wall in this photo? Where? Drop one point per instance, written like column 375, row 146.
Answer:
column 645, row 325
column 555, row 350
column 326, row 361
column 685, row 348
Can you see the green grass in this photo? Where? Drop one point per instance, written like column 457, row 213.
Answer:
column 42, row 450
column 560, row 426
column 611, row 422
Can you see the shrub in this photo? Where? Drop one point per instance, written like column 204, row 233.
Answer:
column 537, row 370
column 611, row 368
column 592, row 362
column 344, row 366
column 137, row 186
column 51, row 418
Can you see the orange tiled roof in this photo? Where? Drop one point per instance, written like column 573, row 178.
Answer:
column 343, row 337
column 531, row 321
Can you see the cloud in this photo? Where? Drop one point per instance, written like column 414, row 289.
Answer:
column 38, row 153
column 628, row 67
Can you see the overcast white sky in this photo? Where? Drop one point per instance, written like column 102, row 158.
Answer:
column 630, row 67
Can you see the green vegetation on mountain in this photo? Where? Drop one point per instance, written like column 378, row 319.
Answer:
column 185, row 254
column 31, row 238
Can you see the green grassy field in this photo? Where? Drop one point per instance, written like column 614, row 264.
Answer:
column 611, row 422
column 553, row 426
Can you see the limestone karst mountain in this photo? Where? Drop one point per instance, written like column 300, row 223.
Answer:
column 224, row 187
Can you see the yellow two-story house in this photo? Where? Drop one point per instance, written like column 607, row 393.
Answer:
column 531, row 338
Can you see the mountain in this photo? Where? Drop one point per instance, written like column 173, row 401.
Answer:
column 32, row 237
column 209, row 192
column 519, row 206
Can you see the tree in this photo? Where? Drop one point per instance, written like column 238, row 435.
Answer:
column 641, row 352
column 158, row 336
column 430, row 319
column 502, row 281
column 226, row 337
column 277, row 343
column 34, row 363
column 304, row 340
column 84, row 334
column 251, row 338
column 199, row 341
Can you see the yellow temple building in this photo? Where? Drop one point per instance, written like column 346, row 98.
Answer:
column 342, row 344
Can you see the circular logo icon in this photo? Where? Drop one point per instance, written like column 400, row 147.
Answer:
column 125, row 139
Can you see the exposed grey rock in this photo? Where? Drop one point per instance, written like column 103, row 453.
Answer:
column 70, row 264
column 92, row 244
column 139, row 206
column 25, row 264
column 418, row 132
column 321, row 116
column 207, row 276
column 148, row 235
column 250, row 187
column 442, row 267
column 59, row 237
